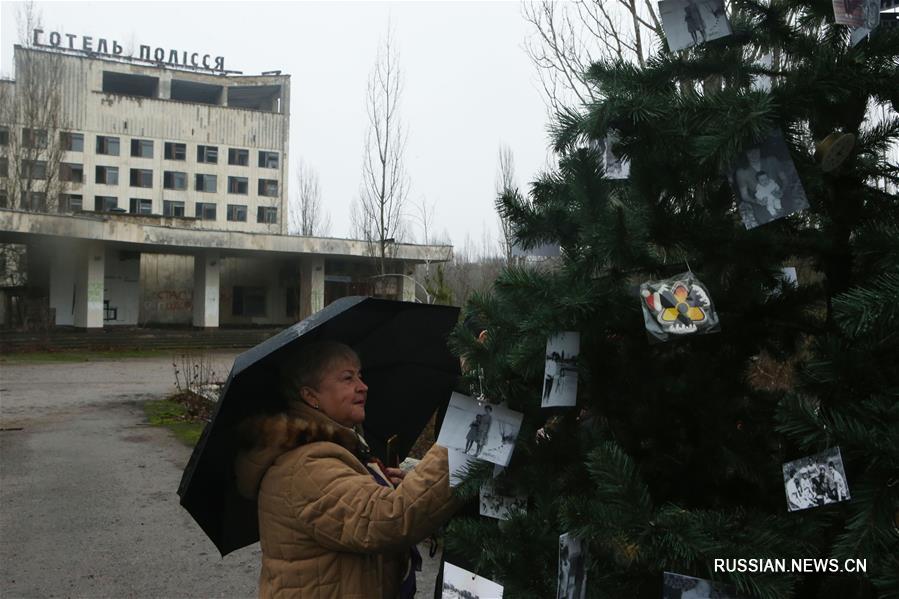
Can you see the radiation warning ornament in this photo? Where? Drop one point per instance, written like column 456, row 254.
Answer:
column 676, row 307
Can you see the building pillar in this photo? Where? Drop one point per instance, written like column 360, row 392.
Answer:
column 63, row 289
column 207, row 270
column 90, row 269
column 312, row 285
column 407, row 283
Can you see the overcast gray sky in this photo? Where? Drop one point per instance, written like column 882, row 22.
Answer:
column 469, row 85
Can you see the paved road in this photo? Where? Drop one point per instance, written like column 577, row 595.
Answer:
column 88, row 503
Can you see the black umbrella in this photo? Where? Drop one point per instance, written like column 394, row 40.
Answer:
column 405, row 363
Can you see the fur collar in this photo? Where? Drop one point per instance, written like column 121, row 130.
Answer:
column 265, row 438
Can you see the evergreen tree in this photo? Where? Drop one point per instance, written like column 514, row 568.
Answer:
column 673, row 456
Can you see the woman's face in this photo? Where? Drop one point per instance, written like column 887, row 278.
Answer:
column 341, row 393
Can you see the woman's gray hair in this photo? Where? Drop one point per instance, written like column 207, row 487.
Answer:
column 306, row 366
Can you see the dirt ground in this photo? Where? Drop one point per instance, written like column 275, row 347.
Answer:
column 88, row 503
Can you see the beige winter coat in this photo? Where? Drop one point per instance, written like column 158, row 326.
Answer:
column 327, row 528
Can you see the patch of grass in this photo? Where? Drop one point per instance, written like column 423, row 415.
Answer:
column 174, row 416
column 83, row 356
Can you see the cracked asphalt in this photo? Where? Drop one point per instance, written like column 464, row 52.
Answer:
column 88, row 490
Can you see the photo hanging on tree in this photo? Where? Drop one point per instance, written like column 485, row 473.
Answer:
column 493, row 504
column 572, row 568
column 459, row 463
column 462, row 584
column 815, row 480
column 857, row 13
column 678, row 586
column 487, row 432
column 693, row 22
column 560, row 370
column 766, row 183
column 676, row 307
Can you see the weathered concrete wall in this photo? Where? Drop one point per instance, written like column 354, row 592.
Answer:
column 122, row 287
column 166, row 289
column 276, row 277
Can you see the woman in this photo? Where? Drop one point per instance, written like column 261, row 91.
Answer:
column 332, row 521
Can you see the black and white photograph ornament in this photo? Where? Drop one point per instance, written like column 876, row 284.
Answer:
column 560, row 370
column 459, row 463
column 496, row 504
column 614, row 165
column 676, row 307
column 481, row 430
column 693, row 22
column 857, row 13
column 766, row 183
column 572, row 568
column 462, row 584
column 679, row 586
column 815, row 480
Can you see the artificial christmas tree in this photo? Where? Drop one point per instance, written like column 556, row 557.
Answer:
column 674, row 456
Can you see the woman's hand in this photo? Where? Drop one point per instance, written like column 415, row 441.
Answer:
column 395, row 475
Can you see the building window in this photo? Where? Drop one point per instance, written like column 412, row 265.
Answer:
column 248, row 301
column 4, row 166
column 141, row 177
column 34, row 170
column 4, row 200
column 4, row 136
column 73, row 173
column 268, row 159
column 142, row 148
column 267, row 214
column 208, row 154
column 205, row 211
column 34, row 138
column 174, row 180
column 34, row 200
column 205, row 183
column 69, row 202
column 108, row 175
column 72, row 142
column 105, row 203
column 239, row 185
column 237, row 213
column 107, row 145
column 238, row 157
column 268, row 188
column 175, row 151
column 141, row 206
column 172, row 208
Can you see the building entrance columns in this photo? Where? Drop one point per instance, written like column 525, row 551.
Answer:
column 207, row 276
column 90, row 269
column 312, row 285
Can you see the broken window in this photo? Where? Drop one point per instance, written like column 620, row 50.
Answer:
column 267, row 214
column 142, row 148
column 172, row 208
column 174, row 180
column 70, row 202
column 238, row 157
column 255, row 97
column 105, row 203
column 108, row 175
column 248, row 301
column 192, row 91
column 141, row 177
column 268, row 188
column 268, row 159
column 72, row 142
column 141, row 206
column 130, row 85
column 175, row 151
column 107, row 145
column 34, row 169
column 34, row 138
column 205, row 183
column 205, row 211
column 237, row 213
column 73, row 173
column 239, row 185
column 208, row 154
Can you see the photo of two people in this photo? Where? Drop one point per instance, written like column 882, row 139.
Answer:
column 482, row 431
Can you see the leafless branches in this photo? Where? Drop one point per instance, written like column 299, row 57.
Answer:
column 505, row 181
column 377, row 215
column 307, row 215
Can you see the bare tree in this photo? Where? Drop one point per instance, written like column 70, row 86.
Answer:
column 505, row 181
column 307, row 215
column 570, row 36
column 377, row 215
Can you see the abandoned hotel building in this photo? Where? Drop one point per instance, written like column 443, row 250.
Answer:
column 157, row 194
